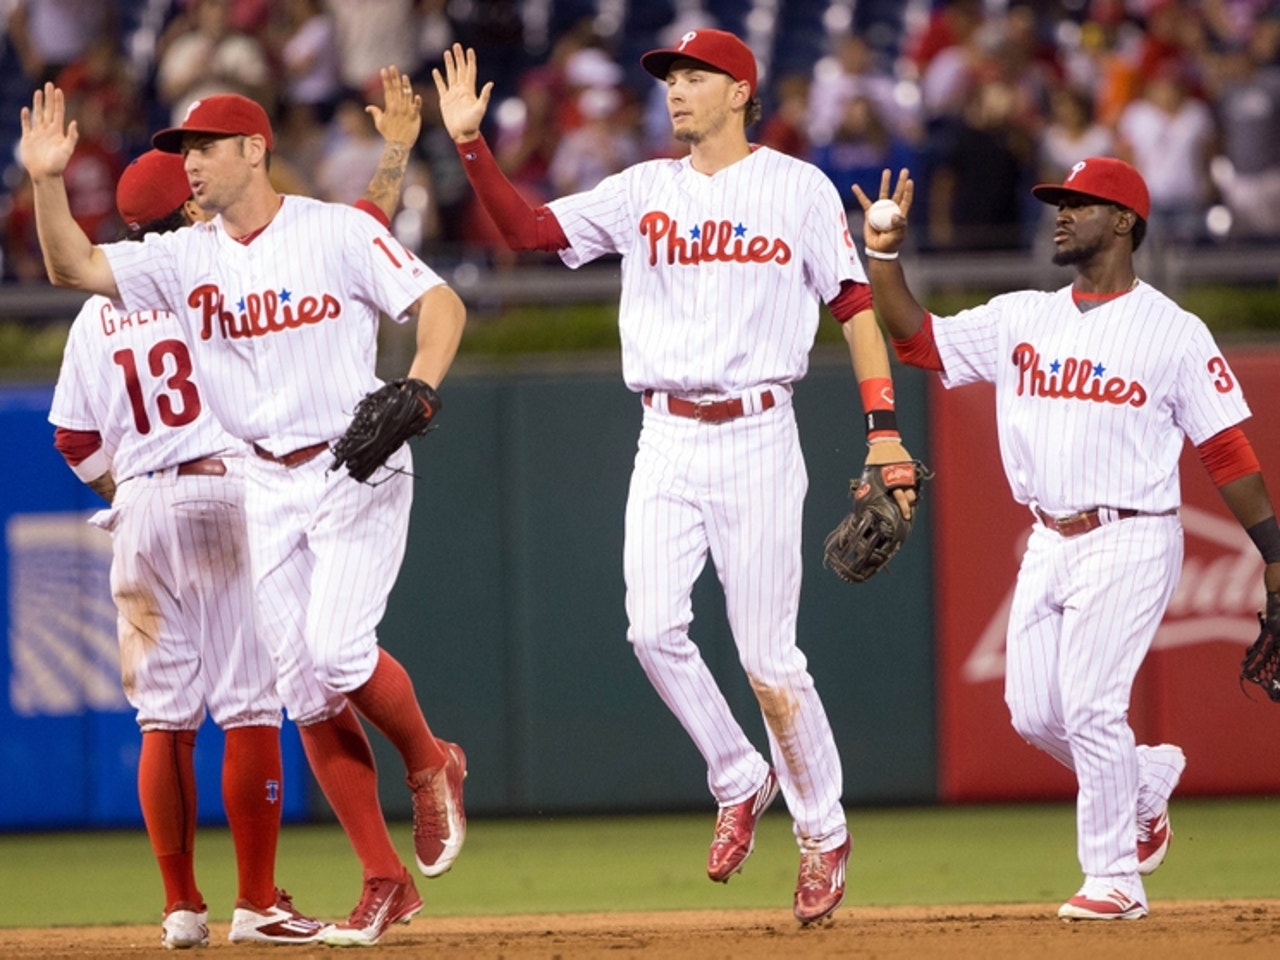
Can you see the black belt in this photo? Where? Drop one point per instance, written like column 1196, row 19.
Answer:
column 293, row 458
column 710, row 411
column 1087, row 520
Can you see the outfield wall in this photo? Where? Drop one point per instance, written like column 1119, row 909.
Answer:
column 509, row 615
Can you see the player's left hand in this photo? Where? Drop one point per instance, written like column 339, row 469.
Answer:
column 892, row 451
column 47, row 140
column 384, row 420
column 399, row 119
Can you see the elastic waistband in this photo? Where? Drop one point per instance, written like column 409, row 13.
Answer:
column 712, row 411
column 1087, row 520
column 294, row 458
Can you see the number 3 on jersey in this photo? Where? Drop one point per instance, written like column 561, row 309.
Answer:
column 177, row 399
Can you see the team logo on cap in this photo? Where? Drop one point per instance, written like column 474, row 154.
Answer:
column 195, row 105
column 1080, row 165
column 686, row 39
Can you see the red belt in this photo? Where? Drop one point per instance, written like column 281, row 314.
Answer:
column 294, row 458
column 1087, row 520
column 204, row 467
column 709, row 411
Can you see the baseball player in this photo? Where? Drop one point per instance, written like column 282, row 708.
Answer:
column 726, row 257
column 1096, row 384
column 132, row 422
column 187, row 631
column 280, row 299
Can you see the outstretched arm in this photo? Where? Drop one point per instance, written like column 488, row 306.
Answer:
column 522, row 226
column 47, row 143
column 399, row 122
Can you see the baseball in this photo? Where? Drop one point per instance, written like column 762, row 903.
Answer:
column 881, row 213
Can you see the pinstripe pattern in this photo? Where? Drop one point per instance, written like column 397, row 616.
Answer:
column 1084, row 613
column 286, row 388
column 709, row 323
column 326, row 552
column 180, row 574
column 1067, row 454
column 285, row 330
column 1093, row 409
column 92, row 393
column 733, row 490
column 721, row 281
column 180, row 580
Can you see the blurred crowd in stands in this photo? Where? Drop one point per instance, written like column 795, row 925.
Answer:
column 979, row 99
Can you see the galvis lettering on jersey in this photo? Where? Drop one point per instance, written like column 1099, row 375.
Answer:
column 259, row 314
column 712, row 241
column 1073, row 379
column 112, row 321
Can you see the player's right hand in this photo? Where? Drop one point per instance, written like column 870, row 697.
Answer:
column 888, row 241
column 47, row 141
column 460, row 108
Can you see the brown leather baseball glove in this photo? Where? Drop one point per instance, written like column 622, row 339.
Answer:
column 869, row 536
column 1262, row 660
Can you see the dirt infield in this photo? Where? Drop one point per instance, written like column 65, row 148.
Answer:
column 1191, row 930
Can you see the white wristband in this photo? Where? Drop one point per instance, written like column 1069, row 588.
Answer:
column 877, row 255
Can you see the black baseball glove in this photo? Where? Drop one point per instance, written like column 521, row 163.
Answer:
column 385, row 419
column 868, row 537
column 1262, row 660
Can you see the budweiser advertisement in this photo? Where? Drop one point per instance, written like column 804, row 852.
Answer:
column 1188, row 691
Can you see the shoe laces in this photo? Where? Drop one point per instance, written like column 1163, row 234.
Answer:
column 430, row 813
column 814, row 874
column 726, row 825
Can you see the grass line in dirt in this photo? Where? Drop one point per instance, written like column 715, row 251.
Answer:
column 937, row 855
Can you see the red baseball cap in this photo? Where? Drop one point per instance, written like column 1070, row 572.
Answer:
column 151, row 188
column 715, row 48
column 1104, row 178
column 224, row 115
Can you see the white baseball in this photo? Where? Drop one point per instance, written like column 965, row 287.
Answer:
column 881, row 213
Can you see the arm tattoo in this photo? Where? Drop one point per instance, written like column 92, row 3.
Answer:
column 384, row 188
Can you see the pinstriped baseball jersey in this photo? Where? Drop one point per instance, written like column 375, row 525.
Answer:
column 1093, row 406
column 130, row 378
column 720, row 280
column 293, row 324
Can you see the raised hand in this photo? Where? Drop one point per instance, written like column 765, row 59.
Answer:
column 460, row 108
column 47, row 141
column 888, row 240
column 399, row 120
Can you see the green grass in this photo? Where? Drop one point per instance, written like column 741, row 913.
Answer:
column 967, row 854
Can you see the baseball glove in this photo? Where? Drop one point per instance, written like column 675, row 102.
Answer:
column 868, row 537
column 1262, row 660
column 385, row 419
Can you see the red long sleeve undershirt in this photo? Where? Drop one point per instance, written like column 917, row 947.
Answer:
column 523, row 227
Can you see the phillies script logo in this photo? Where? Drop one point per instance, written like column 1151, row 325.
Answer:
column 1073, row 380
column 258, row 314
column 712, row 241
column 1216, row 600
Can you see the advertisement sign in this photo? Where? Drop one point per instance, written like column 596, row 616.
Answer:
column 1188, row 690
